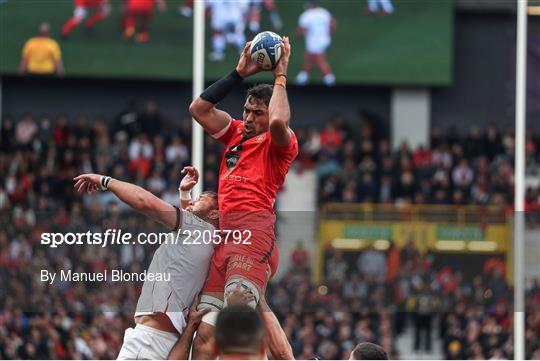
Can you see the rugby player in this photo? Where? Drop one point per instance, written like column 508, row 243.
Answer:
column 162, row 307
column 239, row 334
column 260, row 150
column 368, row 351
column 141, row 12
column 101, row 9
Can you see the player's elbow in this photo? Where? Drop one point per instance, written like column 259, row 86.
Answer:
column 194, row 108
column 282, row 351
column 198, row 108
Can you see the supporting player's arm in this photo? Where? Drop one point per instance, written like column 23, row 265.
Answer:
column 134, row 196
column 180, row 350
column 203, row 109
column 278, row 109
column 275, row 338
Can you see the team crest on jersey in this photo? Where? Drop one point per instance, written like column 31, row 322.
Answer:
column 231, row 160
column 260, row 138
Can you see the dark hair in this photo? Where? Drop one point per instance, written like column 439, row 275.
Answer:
column 211, row 194
column 369, row 351
column 239, row 329
column 261, row 92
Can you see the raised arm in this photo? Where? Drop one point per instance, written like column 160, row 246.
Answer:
column 278, row 109
column 204, row 110
column 134, row 196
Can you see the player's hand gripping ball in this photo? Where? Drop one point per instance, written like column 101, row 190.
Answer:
column 266, row 49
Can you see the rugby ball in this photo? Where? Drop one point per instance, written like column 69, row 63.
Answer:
column 266, row 49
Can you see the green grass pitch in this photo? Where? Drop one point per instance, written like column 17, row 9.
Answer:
column 411, row 47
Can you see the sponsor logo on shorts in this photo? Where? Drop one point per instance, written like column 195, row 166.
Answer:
column 240, row 262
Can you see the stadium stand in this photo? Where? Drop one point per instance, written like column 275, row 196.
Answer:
column 40, row 156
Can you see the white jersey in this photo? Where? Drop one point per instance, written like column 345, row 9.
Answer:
column 187, row 264
column 316, row 22
column 227, row 12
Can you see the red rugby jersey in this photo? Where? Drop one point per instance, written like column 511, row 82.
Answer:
column 90, row 3
column 252, row 170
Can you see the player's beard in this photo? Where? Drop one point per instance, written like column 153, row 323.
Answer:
column 249, row 131
column 198, row 212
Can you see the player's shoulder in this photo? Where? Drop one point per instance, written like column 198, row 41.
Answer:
column 237, row 127
column 52, row 42
column 190, row 221
column 293, row 134
column 237, row 122
column 307, row 14
column 32, row 41
column 317, row 12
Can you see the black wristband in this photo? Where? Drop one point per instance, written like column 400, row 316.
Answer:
column 178, row 219
column 219, row 90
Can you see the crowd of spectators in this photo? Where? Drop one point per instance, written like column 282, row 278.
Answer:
column 363, row 301
column 362, row 166
column 532, row 333
column 374, row 299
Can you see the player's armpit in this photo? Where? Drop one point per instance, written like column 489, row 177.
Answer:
column 289, row 150
column 280, row 134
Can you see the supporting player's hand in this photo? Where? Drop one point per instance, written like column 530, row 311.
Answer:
column 87, row 183
column 246, row 66
column 283, row 63
column 238, row 296
column 195, row 317
column 190, row 179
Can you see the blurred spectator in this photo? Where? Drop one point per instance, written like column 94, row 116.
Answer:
column 7, row 135
column 141, row 147
column 336, row 267
column 150, row 119
column 463, row 175
column 25, row 131
column 176, row 152
column 127, row 120
column 41, row 54
column 372, row 263
column 300, row 256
